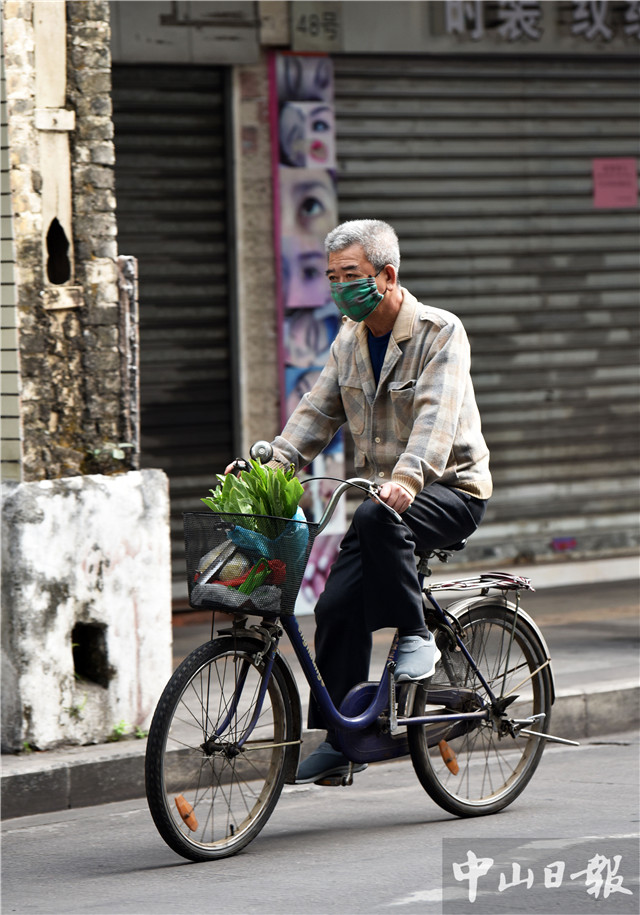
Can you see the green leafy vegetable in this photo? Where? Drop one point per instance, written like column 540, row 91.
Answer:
column 261, row 491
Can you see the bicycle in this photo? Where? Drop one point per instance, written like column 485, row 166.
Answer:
column 226, row 734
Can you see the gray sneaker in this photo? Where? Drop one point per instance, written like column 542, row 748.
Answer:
column 417, row 657
column 325, row 761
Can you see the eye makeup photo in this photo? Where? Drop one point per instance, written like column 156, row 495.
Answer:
column 307, row 201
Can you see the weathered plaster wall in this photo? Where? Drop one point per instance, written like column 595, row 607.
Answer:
column 86, row 591
column 69, row 347
column 95, row 228
column 92, row 551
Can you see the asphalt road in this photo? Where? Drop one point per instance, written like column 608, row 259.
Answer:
column 378, row 846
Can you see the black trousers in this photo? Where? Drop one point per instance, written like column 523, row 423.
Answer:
column 374, row 583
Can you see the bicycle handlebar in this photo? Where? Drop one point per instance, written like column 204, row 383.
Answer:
column 371, row 489
column 262, row 451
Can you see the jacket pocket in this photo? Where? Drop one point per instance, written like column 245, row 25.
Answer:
column 402, row 394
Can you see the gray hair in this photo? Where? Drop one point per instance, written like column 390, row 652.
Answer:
column 377, row 239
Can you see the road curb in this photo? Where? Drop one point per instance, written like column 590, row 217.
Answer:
column 83, row 776
column 604, row 709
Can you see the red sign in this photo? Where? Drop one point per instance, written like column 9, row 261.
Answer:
column 615, row 183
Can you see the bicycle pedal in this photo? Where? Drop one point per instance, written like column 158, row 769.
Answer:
column 334, row 781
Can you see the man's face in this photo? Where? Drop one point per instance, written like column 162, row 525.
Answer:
column 349, row 264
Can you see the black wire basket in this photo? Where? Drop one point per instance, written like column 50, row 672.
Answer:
column 251, row 564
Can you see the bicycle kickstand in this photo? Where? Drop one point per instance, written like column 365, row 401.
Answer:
column 348, row 778
column 533, row 719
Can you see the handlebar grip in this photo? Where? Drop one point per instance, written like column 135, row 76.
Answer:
column 261, row 451
column 373, row 489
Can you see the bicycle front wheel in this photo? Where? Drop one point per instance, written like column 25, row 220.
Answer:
column 216, row 761
column 472, row 768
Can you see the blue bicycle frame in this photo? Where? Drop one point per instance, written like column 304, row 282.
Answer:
column 380, row 701
column 384, row 694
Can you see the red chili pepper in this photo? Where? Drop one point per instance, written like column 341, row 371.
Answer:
column 278, row 572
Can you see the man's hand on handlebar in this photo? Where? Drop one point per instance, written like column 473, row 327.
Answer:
column 396, row 496
column 259, row 451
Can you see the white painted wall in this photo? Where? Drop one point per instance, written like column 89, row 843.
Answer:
column 94, row 550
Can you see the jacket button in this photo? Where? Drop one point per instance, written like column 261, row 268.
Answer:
column 377, row 439
column 381, row 474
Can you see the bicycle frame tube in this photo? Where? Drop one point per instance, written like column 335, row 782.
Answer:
column 434, row 603
column 493, row 698
column 319, row 691
column 379, row 702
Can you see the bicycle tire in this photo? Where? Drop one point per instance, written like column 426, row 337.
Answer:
column 493, row 768
column 208, row 795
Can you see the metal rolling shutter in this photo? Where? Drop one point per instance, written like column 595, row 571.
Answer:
column 484, row 168
column 171, row 199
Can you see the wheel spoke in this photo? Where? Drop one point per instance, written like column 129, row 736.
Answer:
column 493, row 767
column 196, row 737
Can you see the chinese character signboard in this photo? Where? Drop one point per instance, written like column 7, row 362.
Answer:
column 303, row 134
column 472, row 26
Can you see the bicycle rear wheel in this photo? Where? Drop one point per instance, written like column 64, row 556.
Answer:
column 212, row 780
column 487, row 767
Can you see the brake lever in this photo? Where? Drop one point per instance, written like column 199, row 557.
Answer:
column 375, row 494
column 239, row 465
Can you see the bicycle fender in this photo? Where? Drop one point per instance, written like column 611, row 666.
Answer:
column 469, row 603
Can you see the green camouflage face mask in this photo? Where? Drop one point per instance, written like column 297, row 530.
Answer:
column 357, row 299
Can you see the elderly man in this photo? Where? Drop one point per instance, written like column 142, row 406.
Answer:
column 398, row 374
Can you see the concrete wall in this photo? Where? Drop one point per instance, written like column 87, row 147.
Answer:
column 86, row 591
column 257, row 314
column 86, row 615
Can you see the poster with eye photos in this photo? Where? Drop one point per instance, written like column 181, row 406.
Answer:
column 305, row 195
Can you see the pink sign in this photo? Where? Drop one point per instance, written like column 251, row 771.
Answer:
column 615, row 184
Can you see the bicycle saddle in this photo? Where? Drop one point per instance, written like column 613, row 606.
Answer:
column 454, row 548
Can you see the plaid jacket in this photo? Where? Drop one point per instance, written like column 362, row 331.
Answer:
column 421, row 425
